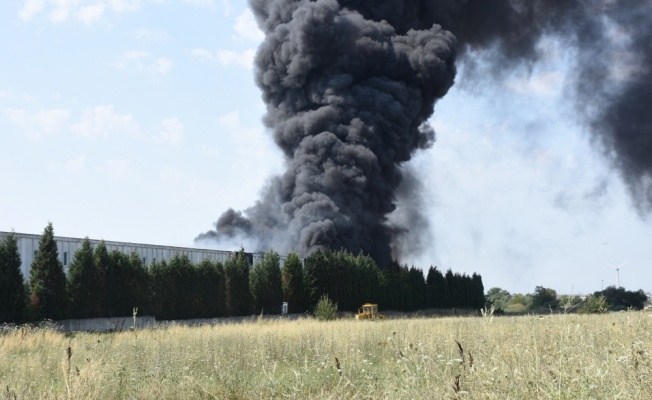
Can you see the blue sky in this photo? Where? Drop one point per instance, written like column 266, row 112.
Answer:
column 139, row 120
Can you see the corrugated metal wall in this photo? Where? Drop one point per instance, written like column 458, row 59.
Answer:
column 28, row 246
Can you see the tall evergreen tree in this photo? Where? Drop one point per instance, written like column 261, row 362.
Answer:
column 184, row 277
column 478, row 294
column 47, row 279
column 392, row 286
column 317, row 276
column 437, row 288
column 238, row 297
column 12, row 288
column 417, row 289
column 137, row 285
column 163, row 290
column 210, row 288
column 453, row 289
column 102, row 261
column 265, row 284
column 82, row 283
column 293, row 284
column 126, row 284
column 366, row 281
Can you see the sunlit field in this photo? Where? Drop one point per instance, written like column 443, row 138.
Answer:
column 527, row 357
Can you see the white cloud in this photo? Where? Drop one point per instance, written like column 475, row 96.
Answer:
column 129, row 58
column 4, row 94
column 210, row 4
column 228, row 7
column 171, row 176
column 124, row 5
column 247, row 28
column 202, row 53
column 90, row 14
column 173, row 131
column 62, row 9
column 250, row 144
column 75, row 164
column 30, row 9
column 243, row 59
column 162, row 65
column 102, row 121
column 140, row 61
column 209, row 151
column 117, row 168
column 150, row 35
column 38, row 125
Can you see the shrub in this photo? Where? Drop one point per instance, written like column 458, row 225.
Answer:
column 325, row 309
column 594, row 305
column 621, row 299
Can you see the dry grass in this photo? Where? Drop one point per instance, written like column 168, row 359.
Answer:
column 551, row 357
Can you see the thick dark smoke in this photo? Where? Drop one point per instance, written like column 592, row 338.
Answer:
column 350, row 84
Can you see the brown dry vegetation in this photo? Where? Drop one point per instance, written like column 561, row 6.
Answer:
column 550, row 357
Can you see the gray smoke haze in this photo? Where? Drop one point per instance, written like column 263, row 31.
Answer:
column 349, row 87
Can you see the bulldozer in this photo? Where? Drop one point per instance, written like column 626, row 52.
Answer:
column 369, row 312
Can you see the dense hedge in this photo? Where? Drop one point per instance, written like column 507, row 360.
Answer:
column 100, row 283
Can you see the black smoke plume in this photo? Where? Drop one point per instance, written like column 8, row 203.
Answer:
column 350, row 84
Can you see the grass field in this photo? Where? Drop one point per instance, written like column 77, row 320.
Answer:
column 528, row 357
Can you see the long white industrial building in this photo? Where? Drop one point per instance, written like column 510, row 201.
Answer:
column 28, row 247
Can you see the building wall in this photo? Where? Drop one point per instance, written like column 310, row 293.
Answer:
column 28, row 246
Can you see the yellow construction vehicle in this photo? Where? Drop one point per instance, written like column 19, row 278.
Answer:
column 369, row 311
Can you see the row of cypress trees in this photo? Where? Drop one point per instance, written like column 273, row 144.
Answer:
column 352, row 280
column 100, row 283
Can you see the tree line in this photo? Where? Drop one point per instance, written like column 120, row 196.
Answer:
column 102, row 283
column 546, row 299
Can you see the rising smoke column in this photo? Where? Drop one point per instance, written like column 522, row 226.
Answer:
column 347, row 100
column 349, row 86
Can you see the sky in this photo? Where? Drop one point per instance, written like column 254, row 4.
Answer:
column 140, row 121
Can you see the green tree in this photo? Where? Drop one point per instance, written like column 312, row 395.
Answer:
column 417, row 289
column 346, row 279
column 185, row 304
column 236, row 272
column 544, row 298
column 83, row 278
column 47, row 279
column 293, row 284
column 453, row 289
column 366, row 281
column 102, row 261
column 137, row 285
column 163, row 290
column 437, row 289
column 499, row 298
column 210, row 288
column 317, row 276
column 477, row 291
column 621, row 299
column 519, row 303
column 401, row 287
column 127, row 284
column 265, row 284
column 13, row 298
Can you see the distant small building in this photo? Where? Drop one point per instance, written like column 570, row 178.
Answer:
column 149, row 253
